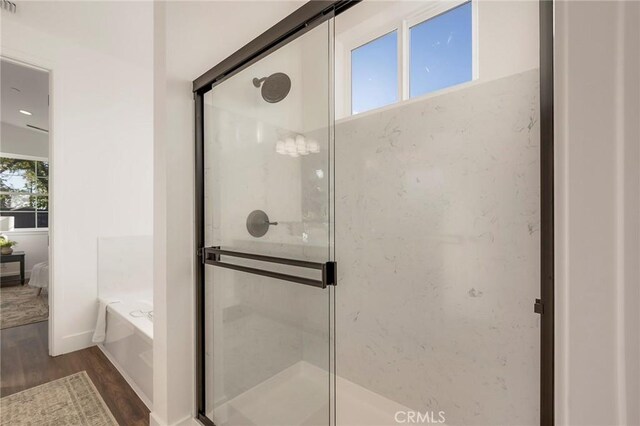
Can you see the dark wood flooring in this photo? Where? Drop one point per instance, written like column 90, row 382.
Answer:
column 25, row 363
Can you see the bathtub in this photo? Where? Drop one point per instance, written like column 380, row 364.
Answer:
column 129, row 345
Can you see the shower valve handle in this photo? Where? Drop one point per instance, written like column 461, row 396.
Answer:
column 258, row 223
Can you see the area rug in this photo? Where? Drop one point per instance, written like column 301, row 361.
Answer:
column 20, row 305
column 70, row 401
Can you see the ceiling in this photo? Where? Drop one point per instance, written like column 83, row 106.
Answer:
column 94, row 25
column 24, row 88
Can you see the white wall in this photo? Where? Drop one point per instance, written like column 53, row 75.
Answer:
column 597, row 212
column 100, row 57
column 125, row 268
column 23, row 141
column 508, row 37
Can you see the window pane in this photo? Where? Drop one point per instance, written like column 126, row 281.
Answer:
column 17, row 202
column 374, row 74
column 19, row 179
column 43, row 219
column 42, row 203
column 5, row 202
column 17, row 175
column 441, row 51
column 43, row 168
column 22, row 219
column 42, row 186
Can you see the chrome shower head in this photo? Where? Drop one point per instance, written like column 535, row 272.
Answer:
column 275, row 87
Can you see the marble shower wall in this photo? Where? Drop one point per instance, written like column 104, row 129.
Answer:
column 437, row 243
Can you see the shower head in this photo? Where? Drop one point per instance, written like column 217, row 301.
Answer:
column 9, row 6
column 275, row 87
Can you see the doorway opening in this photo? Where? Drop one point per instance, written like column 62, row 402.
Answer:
column 24, row 194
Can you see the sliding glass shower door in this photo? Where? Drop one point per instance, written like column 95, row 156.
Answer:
column 268, row 275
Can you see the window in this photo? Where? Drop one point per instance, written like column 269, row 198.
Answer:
column 24, row 188
column 410, row 55
column 441, row 51
column 374, row 77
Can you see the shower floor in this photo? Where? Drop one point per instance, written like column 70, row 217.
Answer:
column 298, row 396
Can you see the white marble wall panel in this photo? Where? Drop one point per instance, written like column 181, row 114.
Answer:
column 437, row 243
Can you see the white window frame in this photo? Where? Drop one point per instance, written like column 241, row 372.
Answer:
column 28, row 158
column 403, row 26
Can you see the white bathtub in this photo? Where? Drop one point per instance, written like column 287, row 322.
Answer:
column 129, row 345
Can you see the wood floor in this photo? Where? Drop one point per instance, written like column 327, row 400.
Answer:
column 25, row 363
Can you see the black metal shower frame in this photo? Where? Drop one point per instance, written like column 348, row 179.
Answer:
column 307, row 17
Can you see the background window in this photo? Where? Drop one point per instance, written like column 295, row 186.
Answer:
column 441, row 52
column 374, row 74
column 24, row 187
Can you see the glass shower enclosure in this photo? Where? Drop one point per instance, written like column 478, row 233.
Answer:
column 269, row 269
column 377, row 268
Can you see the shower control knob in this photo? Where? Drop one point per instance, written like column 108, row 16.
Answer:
column 258, row 223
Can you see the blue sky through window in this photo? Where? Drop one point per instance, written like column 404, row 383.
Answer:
column 374, row 74
column 441, row 51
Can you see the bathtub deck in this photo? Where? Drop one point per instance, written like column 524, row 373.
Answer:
column 124, row 309
column 25, row 363
column 128, row 345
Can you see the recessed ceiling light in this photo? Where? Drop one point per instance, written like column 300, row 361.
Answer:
column 25, row 112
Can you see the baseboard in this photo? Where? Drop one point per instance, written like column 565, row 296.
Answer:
column 189, row 421
column 127, row 378
column 154, row 420
column 74, row 342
